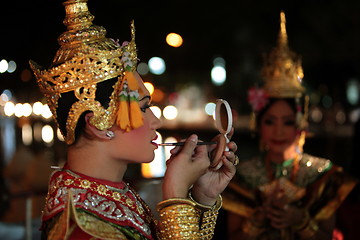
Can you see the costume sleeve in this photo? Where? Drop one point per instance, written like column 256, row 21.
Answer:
column 186, row 219
column 328, row 193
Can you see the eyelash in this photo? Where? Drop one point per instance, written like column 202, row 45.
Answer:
column 146, row 106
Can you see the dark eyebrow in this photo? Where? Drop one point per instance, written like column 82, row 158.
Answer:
column 147, row 96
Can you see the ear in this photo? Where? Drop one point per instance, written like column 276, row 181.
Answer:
column 91, row 130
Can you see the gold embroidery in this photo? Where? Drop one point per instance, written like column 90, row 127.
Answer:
column 68, row 182
column 102, row 190
column 116, row 196
column 85, row 183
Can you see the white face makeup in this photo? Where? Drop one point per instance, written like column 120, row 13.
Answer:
column 223, row 118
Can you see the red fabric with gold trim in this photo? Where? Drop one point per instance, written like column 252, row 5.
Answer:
column 112, row 202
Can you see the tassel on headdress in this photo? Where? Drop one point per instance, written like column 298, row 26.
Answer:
column 129, row 114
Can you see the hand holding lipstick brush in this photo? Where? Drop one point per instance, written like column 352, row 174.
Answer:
column 182, row 143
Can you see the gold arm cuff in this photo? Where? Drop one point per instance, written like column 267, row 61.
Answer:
column 179, row 219
column 209, row 217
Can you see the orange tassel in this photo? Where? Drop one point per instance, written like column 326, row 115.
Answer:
column 123, row 120
column 136, row 117
column 132, row 81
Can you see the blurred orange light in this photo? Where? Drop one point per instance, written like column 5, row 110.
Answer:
column 158, row 95
column 174, row 40
column 25, row 75
column 149, row 87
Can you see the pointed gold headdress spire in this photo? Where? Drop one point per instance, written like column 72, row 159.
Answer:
column 282, row 71
column 86, row 58
column 282, row 74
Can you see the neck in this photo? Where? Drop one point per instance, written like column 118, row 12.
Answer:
column 94, row 162
column 280, row 157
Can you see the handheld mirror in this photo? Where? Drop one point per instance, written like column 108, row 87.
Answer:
column 223, row 122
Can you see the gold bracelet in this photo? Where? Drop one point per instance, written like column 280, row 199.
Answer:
column 176, row 201
column 208, row 218
column 179, row 219
column 203, row 207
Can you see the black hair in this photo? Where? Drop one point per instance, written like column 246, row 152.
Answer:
column 291, row 101
column 103, row 92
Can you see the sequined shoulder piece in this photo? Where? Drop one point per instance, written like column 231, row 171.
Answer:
column 97, row 204
column 311, row 168
column 251, row 172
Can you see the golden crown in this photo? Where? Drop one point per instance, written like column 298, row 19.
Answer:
column 85, row 58
column 282, row 70
column 282, row 74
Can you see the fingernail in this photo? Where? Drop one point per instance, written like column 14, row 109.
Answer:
column 193, row 138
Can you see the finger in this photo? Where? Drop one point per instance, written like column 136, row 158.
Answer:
column 228, row 167
column 230, row 156
column 231, row 133
column 232, row 146
column 175, row 150
column 190, row 145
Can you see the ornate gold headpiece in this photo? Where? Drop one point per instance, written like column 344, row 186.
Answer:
column 282, row 71
column 85, row 58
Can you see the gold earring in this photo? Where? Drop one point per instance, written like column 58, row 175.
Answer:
column 301, row 141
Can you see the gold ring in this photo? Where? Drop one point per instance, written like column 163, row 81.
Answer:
column 236, row 162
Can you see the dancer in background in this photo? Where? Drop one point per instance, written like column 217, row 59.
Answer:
column 283, row 193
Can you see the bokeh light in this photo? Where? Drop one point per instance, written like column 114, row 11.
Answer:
column 210, row 108
column 142, row 68
column 3, row 66
column 150, row 87
column 26, row 109
column 353, row 91
column 47, row 134
column 9, row 109
column 59, row 135
column 218, row 75
column 11, row 66
column 46, row 113
column 170, row 112
column 157, row 95
column 157, row 65
column 26, row 134
column 156, row 111
column 37, row 108
column 18, row 110
column 174, row 40
column 6, row 95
